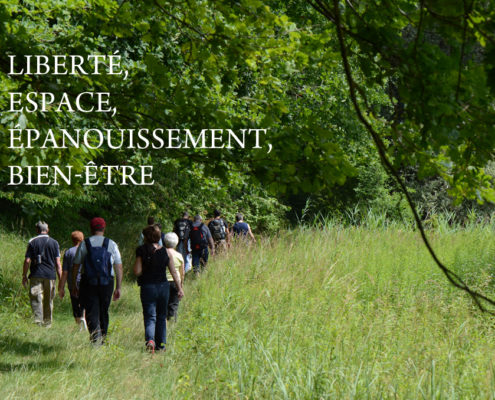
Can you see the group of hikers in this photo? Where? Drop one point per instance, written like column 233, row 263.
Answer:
column 92, row 269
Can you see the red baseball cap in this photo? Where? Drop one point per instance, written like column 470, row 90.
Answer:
column 97, row 224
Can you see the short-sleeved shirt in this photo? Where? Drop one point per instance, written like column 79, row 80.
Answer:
column 178, row 263
column 241, row 228
column 155, row 264
column 69, row 256
column 49, row 249
column 204, row 229
column 97, row 241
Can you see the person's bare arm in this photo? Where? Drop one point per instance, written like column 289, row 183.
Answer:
column 25, row 269
column 61, row 284
column 118, row 276
column 59, row 268
column 138, row 266
column 227, row 235
column 75, row 271
column 251, row 233
column 175, row 274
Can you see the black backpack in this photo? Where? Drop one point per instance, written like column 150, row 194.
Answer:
column 182, row 229
column 198, row 239
column 217, row 229
column 98, row 263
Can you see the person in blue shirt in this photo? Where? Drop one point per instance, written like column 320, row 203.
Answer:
column 241, row 228
column 77, row 308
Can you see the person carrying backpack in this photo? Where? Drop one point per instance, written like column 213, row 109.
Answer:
column 219, row 231
column 150, row 222
column 200, row 238
column 241, row 228
column 101, row 270
column 43, row 262
column 152, row 262
column 183, row 228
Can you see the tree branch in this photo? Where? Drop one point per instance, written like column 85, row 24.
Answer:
column 453, row 278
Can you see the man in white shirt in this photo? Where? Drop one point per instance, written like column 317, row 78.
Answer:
column 101, row 264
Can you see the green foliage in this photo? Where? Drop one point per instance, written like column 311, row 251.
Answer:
column 204, row 64
column 423, row 74
column 434, row 60
column 195, row 67
column 12, row 298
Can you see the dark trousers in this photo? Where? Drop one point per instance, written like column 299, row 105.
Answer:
column 182, row 248
column 173, row 301
column 96, row 301
column 77, row 307
column 197, row 256
column 154, row 298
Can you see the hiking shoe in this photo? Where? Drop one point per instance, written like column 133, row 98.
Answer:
column 150, row 346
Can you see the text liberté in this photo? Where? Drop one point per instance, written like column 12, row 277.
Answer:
column 22, row 137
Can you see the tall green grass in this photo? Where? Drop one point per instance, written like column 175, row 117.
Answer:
column 338, row 312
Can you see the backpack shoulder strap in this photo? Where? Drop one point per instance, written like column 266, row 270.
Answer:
column 163, row 239
column 106, row 243
column 88, row 244
column 44, row 246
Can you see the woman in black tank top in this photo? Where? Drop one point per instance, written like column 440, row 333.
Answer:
column 152, row 260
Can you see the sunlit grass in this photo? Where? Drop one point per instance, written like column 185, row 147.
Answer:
column 330, row 313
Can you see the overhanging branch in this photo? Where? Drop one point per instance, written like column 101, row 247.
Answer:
column 453, row 278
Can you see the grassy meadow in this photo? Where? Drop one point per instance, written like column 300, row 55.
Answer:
column 337, row 313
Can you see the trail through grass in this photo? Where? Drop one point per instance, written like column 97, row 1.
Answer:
column 337, row 313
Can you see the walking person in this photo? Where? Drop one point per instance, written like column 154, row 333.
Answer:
column 241, row 228
column 151, row 222
column 171, row 241
column 77, row 308
column 219, row 231
column 43, row 262
column 101, row 270
column 183, row 228
column 152, row 261
column 200, row 238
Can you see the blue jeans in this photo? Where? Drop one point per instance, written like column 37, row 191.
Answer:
column 185, row 248
column 197, row 255
column 154, row 298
